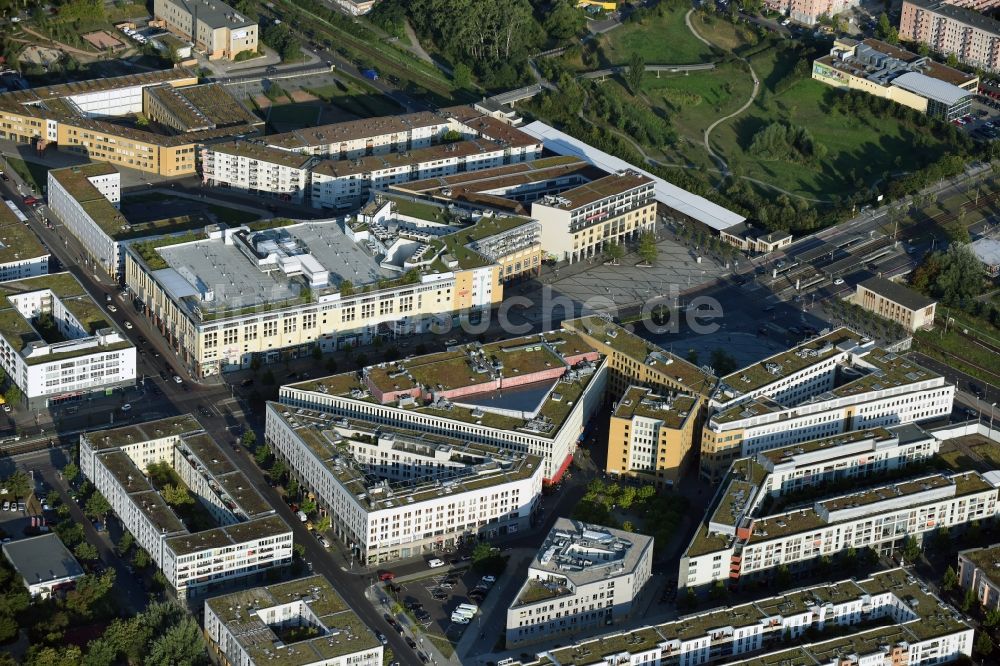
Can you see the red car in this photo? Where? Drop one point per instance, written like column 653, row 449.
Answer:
column 30, row 200
column 386, row 575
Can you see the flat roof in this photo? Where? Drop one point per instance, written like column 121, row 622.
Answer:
column 987, row 559
column 369, row 163
column 508, row 175
column 214, row 13
column 341, row 631
column 639, row 401
column 473, row 465
column 171, row 426
column 831, row 444
column 352, row 130
column 16, row 99
column 17, row 241
column 597, row 190
column 42, row 559
column 639, row 349
column 783, row 364
column 965, row 15
column 696, row 207
column 934, row 89
column 987, row 250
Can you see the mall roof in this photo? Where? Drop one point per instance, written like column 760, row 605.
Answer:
column 931, row 88
column 692, row 205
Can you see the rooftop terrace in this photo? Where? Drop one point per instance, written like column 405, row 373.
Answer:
column 642, row 402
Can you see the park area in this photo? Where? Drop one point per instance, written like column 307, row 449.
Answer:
column 633, row 507
column 650, row 40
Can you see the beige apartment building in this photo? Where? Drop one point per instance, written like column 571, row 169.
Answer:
column 228, row 297
column 579, row 223
column 954, row 28
column 216, row 29
column 653, row 437
column 977, row 570
column 76, row 117
column 896, row 302
column 809, row 12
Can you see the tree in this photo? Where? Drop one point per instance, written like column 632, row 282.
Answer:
column 883, row 28
column 262, row 454
column 124, row 544
column 722, row 362
column 249, row 438
column 992, row 618
column 308, row 506
column 627, row 526
column 182, row 643
column 8, row 627
column 96, row 507
column 984, row 644
column 85, row 551
column 614, row 251
column 18, row 484
column 968, row 600
column 647, row 247
column 718, row 591
column 950, row 579
column 70, row 472
column 141, row 558
column 323, row 524
column 461, row 76
column 564, row 21
column 481, row 553
column 89, row 591
column 12, row 395
column 636, row 70
column 176, row 495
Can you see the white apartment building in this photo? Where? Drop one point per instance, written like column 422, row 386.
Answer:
column 394, row 494
column 977, row 571
column 257, row 169
column 919, row 629
column 532, row 395
column 281, row 289
column 832, row 384
column 739, row 541
column 251, row 627
column 346, row 183
column 584, row 577
column 579, row 223
column 86, row 199
column 22, row 255
column 56, row 344
column 249, row 538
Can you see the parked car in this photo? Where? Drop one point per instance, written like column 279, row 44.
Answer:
column 386, row 575
column 434, row 563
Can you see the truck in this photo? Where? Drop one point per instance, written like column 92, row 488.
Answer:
column 469, row 608
column 370, row 74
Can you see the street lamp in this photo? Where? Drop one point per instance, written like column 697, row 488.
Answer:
column 990, row 434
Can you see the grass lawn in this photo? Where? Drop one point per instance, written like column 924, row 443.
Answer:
column 959, row 462
column 858, row 151
column 31, row 172
column 721, row 32
column 288, row 117
column 660, row 40
column 990, row 452
column 960, row 350
column 693, row 101
column 232, row 216
column 356, row 99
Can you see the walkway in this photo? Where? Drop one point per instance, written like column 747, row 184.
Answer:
column 416, row 48
column 723, row 166
column 64, row 47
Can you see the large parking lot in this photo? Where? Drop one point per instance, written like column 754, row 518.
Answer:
column 430, row 601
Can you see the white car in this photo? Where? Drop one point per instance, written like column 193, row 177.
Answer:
column 112, row 308
column 128, row 325
column 435, row 563
column 178, row 380
column 126, row 407
column 839, row 281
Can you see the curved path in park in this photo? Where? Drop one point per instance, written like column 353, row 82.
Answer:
column 723, row 166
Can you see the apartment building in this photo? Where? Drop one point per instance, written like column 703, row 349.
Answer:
column 257, row 169
column 977, row 571
column 809, row 12
column 751, row 528
column 953, row 29
column 22, row 255
column 215, row 28
column 653, row 437
column 893, row 73
column 248, row 539
column 303, row 622
column 78, row 117
column 825, row 624
column 896, row 302
column 227, row 296
column 200, row 108
column 345, row 183
column 44, row 565
column 584, row 577
column 532, row 395
column 579, row 223
column 86, row 200
column 832, row 384
column 392, row 493
column 635, row 360
column 57, row 344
